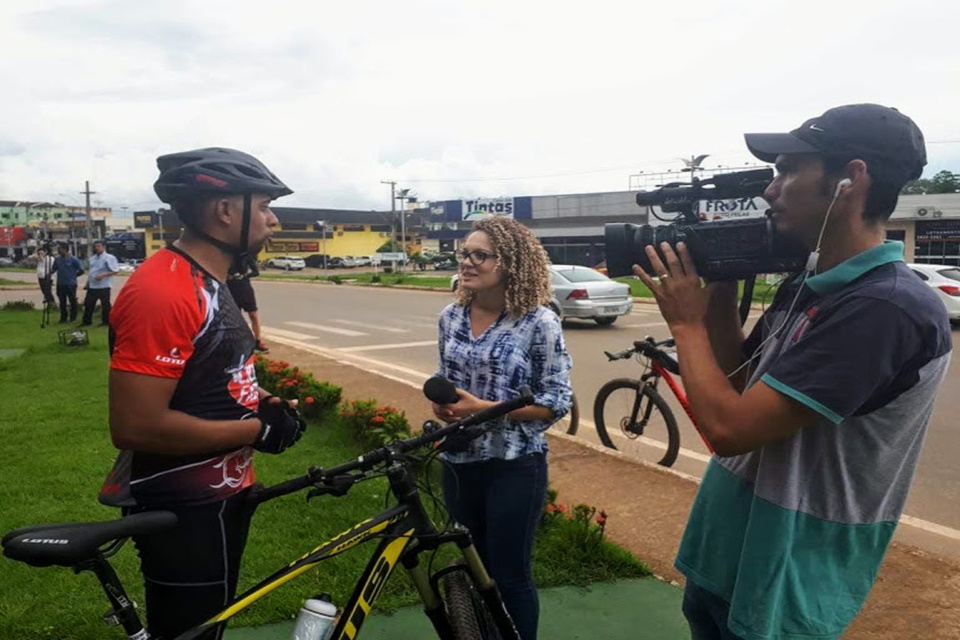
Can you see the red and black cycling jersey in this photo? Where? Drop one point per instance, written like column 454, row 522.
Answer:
column 172, row 319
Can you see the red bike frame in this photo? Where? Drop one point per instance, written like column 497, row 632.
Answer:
column 658, row 370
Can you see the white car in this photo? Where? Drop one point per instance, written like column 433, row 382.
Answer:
column 126, row 267
column 945, row 281
column 361, row 261
column 287, row 263
column 583, row 292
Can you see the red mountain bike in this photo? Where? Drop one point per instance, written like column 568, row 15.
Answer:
column 636, row 407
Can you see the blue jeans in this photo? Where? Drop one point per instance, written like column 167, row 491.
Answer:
column 706, row 614
column 500, row 502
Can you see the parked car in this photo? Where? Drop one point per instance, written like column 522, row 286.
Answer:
column 945, row 281
column 126, row 267
column 316, row 260
column 583, row 292
column 341, row 262
column 445, row 262
column 6, row 262
column 287, row 263
column 361, row 261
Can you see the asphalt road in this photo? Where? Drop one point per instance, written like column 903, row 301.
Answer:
column 393, row 331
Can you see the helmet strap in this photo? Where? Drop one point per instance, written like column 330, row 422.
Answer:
column 241, row 253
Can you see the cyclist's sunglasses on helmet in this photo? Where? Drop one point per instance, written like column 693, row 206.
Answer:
column 476, row 257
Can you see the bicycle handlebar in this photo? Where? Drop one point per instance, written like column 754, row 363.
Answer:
column 647, row 346
column 370, row 459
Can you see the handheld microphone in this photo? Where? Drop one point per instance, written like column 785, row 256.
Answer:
column 440, row 390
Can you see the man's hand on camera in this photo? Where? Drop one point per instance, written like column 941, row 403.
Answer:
column 682, row 298
column 281, row 426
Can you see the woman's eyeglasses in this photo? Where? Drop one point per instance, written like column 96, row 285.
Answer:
column 476, row 258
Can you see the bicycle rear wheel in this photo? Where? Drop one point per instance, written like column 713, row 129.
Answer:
column 574, row 417
column 636, row 409
column 466, row 611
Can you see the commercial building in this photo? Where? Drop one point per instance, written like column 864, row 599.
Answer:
column 570, row 226
column 305, row 231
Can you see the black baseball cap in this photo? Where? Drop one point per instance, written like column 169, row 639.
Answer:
column 889, row 142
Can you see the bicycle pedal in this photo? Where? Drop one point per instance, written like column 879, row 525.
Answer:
column 112, row 618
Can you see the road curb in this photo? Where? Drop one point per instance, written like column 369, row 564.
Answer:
column 619, row 455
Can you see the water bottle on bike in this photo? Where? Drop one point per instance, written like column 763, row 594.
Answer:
column 316, row 620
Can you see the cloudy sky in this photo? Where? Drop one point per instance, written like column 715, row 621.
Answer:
column 451, row 99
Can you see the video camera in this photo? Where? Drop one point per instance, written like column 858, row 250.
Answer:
column 721, row 250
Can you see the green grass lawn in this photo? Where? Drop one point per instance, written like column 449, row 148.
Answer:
column 7, row 282
column 56, row 451
column 423, row 279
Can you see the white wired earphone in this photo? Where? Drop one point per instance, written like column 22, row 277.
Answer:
column 811, row 267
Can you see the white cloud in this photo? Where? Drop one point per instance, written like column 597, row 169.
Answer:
column 570, row 96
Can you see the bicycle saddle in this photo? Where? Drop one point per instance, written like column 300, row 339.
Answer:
column 68, row 544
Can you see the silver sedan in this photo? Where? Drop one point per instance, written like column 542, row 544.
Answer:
column 582, row 292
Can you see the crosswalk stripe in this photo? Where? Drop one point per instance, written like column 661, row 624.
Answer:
column 374, row 347
column 354, row 323
column 320, row 327
column 293, row 335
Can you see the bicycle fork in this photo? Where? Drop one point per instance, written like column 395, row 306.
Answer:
column 633, row 427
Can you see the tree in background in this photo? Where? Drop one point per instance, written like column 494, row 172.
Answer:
column 944, row 182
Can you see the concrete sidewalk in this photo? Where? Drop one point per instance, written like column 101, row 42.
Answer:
column 645, row 609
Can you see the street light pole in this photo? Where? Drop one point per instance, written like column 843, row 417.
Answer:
column 323, row 241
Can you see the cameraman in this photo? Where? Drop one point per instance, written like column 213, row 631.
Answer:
column 185, row 408
column 818, row 417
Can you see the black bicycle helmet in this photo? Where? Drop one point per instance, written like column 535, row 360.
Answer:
column 213, row 171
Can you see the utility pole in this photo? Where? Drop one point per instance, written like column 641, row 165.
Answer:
column 393, row 211
column 89, row 193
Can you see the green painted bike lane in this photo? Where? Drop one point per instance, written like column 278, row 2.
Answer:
column 646, row 609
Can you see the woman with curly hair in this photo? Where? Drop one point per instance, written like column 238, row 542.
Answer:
column 497, row 337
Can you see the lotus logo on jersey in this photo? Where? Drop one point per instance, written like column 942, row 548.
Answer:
column 175, row 357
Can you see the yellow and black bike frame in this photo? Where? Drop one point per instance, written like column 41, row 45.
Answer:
column 406, row 531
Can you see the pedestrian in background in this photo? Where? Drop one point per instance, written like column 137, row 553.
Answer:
column 242, row 291
column 103, row 266
column 68, row 268
column 45, row 275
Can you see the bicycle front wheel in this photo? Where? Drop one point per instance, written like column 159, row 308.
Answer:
column 634, row 409
column 468, row 614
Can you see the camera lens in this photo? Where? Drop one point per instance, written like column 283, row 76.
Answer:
column 626, row 245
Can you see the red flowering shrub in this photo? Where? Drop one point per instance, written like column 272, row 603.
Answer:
column 374, row 426
column 583, row 521
column 288, row 382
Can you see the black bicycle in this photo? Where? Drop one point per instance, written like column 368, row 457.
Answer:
column 461, row 600
column 634, row 407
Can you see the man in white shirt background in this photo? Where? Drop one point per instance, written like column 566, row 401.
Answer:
column 102, row 268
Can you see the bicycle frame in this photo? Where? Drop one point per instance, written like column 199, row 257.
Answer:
column 399, row 526
column 657, row 371
column 406, row 531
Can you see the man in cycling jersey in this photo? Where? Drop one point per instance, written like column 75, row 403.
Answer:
column 819, row 416
column 185, row 408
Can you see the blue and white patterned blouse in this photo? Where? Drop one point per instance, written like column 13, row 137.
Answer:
column 511, row 353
